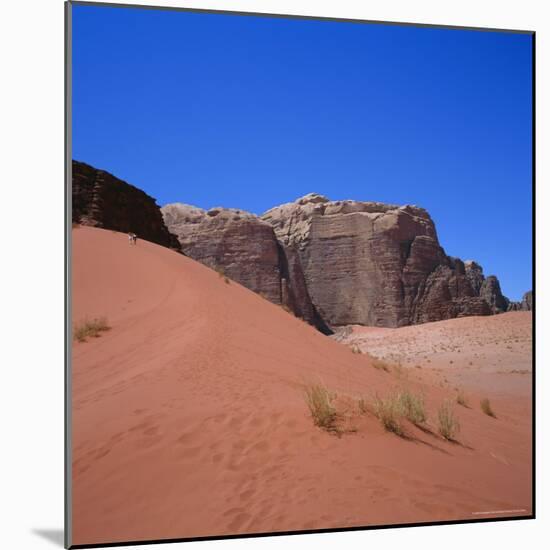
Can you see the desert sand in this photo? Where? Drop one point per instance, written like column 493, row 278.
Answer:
column 489, row 354
column 189, row 416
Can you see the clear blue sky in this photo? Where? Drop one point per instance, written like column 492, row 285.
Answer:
column 251, row 112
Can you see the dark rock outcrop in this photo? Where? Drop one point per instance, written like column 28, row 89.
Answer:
column 526, row 303
column 491, row 293
column 246, row 249
column 100, row 199
column 474, row 272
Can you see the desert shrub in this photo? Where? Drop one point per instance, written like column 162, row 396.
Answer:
column 379, row 364
column 362, row 405
column 461, row 399
column 90, row 328
column 413, row 407
column 448, row 424
column 319, row 401
column 390, row 412
column 355, row 349
column 486, row 407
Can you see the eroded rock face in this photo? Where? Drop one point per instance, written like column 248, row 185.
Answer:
column 374, row 264
column 333, row 263
column 474, row 272
column 337, row 263
column 491, row 293
column 234, row 241
column 246, row 249
column 102, row 200
column 526, row 303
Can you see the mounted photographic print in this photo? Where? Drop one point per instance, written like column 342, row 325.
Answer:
column 299, row 274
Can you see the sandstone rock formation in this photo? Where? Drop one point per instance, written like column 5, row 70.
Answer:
column 374, row 264
column 100, row 199
column 474, row 272
column 244, row 248
column 526, row 303
column 491, row 293
column 337, row 263
column 332, row 263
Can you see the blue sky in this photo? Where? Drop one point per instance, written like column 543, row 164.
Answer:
column 251, row 112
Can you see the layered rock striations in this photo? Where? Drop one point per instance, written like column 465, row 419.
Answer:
column 332, row 263
column 374, row 264
column 338, row 263
column 244, row 248
column 100, row 199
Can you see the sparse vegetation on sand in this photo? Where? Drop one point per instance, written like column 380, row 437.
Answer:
column 413, row 407
column 390, row 412
column 90, row 328
column 319, row 401
column 486, row 407
column 380, row 364
column 355, row 349
column 461, row 399
column 448, row 424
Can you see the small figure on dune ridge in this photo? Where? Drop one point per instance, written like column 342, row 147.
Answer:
column 132, row 238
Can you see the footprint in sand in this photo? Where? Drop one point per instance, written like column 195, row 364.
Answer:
column 217, row 458
column 246, row 495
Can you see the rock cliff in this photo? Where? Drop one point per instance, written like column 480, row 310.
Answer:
column 332, row 263
column 374, row 264
column 526, row 303
column 244, row 248
column 100, row 199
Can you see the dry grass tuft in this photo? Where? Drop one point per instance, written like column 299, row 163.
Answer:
column 413, row 407
column 448, row 424
column 461, row 399
column 390, row 412
column 90, row 328
column 486, row 407
column 355, row 349
column 319, row 401
column 362, row 405
column 380, row 364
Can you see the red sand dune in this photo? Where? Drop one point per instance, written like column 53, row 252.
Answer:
column 189, row 416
